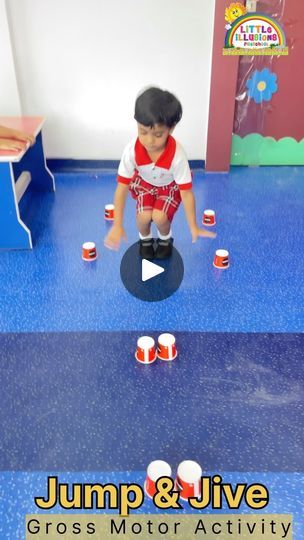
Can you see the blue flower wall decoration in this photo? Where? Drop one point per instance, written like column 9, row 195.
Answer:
column 262, row 85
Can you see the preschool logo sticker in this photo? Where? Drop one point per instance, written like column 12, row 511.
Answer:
column 252, row 33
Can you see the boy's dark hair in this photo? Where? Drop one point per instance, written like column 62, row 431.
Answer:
column 156, row 106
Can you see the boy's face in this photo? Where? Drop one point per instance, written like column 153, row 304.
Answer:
column 153, row 138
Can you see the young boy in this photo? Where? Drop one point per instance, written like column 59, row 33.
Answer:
column 155, row 169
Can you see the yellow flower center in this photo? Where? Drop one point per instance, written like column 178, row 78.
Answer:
column 261, row 86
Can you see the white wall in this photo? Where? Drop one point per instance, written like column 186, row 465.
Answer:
column 81, row 64
column 9, row 97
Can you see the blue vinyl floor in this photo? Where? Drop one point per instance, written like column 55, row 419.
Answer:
column 73, row 398
column 260, row 220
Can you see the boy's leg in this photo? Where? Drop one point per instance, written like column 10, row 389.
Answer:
column 143, row 193
column 165, row 240
column 143, row 220
column 162, row 222
column 166, row 204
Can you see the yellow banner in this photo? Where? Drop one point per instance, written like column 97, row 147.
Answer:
column 255, row 52
column 157, row 526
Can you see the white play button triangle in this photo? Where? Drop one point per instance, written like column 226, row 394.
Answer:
column 149, row 270
column 137, row 275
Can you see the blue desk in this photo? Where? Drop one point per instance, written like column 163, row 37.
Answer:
column 19, row 169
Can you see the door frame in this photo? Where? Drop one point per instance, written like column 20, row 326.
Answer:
column 224, row 74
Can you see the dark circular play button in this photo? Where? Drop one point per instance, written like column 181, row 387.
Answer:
column 154, row 280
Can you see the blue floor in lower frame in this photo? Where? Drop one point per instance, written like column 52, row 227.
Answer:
column 75, row 402
column 80, row 401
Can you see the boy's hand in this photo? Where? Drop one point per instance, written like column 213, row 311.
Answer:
column 114, row 237
column 196, row 232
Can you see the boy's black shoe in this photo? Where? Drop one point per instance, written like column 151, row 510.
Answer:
column 164, row 248
column 146, row 250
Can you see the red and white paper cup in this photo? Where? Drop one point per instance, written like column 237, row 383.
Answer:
column 221, row 259
column 209, row 218
column 188, row 479
column 109, row 212
column 145, row 351
column 89, row 252
column 156, row 469
column 166, row 347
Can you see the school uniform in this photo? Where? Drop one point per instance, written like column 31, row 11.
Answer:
column 155, row 185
